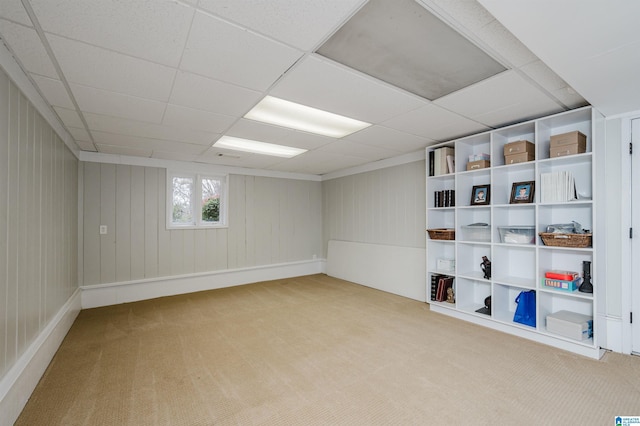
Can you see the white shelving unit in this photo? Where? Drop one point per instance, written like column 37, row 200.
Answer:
column 518, row 267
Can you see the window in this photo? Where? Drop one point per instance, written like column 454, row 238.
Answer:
column 196, row 200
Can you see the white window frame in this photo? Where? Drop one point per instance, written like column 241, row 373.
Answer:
column 196, row 200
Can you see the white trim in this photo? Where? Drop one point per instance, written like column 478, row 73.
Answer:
column 615, row 334
column 20, row 381
column 94, row 296
column 22, row 80
column 97, row 157
column 626, row 274
column 411, row 157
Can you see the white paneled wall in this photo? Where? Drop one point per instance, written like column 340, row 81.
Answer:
column 271, row 221
column 385, row 206
column 38, row 223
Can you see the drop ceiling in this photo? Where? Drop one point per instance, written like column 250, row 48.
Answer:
column 166, row 79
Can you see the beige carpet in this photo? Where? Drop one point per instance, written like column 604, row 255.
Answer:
column 316, row 350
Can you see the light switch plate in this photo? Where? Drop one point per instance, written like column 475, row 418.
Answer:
column 103, row 229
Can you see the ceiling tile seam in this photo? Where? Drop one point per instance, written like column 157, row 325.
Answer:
column 149, row 138
column 56, row 65
column 467, row 34
column 543, row 89
column 339, row 25
column 175, row 73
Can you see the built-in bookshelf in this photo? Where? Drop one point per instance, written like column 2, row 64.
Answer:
column 517, row 265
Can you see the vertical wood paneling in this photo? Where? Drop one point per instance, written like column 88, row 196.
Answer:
column 108, row 218
column 38, row 235
column 381, row 207
column 151, row 222
column 164, row 236
column 91, row 236
column 123, row 223
column 12, row 225
column 4, row 186
column 270, row 221
column 137, row 215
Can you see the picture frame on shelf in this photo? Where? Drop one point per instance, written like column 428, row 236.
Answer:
column 522, row 192
column 480, row 195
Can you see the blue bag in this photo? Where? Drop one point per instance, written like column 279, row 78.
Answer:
column 526, row 310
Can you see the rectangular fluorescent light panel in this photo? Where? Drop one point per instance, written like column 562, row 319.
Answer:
column 300, row 117
column 256, row 147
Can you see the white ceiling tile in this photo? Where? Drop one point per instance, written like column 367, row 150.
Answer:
column 320, row 163
column 300, row 23
column 26, row 44
column 499, row 39
column 499, row 100
column 146, row 143
column 543, row 75
column 368, row 152
column 468, row 15
column 198, row 92
column 123, row 150
column 250, row 60
column 179, row 116
column 104, row 123
column 14, row 11
column 54, row 91
column 391, row 139
column 321, row 84
column 79, row 134
column 69, row 117
column 148, row 29
column 104, row 102
column 176, row 156
column 104, row 69
column 435, row 123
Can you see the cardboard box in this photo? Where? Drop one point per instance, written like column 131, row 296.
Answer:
column 519, row 158
column 480, row 164
column 478, row 157
column 518, row 147
column 570, row 138
column 570, row 324
column 561, row 151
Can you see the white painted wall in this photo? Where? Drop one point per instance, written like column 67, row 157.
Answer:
column 38, row 224
column 385, row 206
column 271, row 221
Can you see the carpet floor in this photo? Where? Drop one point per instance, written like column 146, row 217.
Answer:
column 316, row 350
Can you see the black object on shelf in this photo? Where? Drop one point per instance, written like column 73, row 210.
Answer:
column 586, row 286
column 486, row 309
column 486, row 267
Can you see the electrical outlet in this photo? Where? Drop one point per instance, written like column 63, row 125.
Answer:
column 103, row 229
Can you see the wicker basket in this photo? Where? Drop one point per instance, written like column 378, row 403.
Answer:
column 565, row 240
column 442, row 234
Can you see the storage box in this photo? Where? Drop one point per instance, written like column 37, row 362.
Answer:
column 519, row 158
column 480, row 233
column 570, row 138
column 567, row 144
column 563, row 285
column 517, row 234
column 518, row 147
column 570, row 324
column 448, row 265
column 477, row 165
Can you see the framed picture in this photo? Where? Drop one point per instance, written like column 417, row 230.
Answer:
column 480, row 195
column 522, row 192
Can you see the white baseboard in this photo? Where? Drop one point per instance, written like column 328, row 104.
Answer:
column 20, row 381
column 94, row 296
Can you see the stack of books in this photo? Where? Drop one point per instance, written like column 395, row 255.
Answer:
column 446, row 198
column 442, row 161
column 557, row 187
column 440, row 284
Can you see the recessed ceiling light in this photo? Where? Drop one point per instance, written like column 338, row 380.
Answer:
column 300, row 117
column 256, row 147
